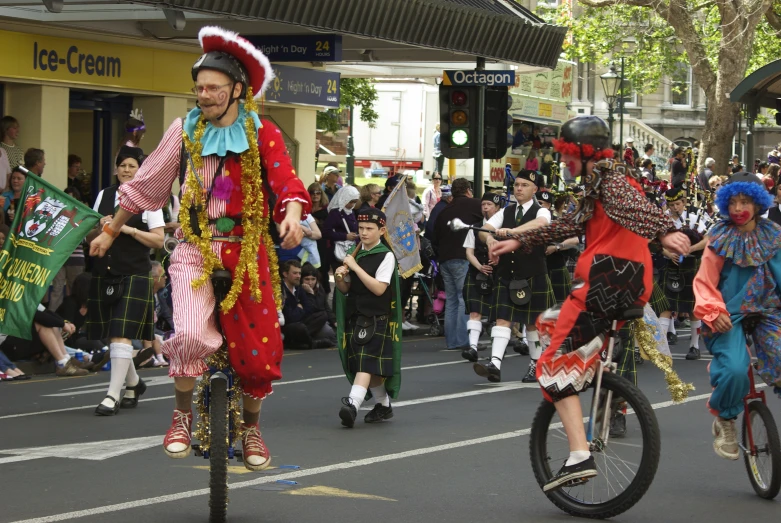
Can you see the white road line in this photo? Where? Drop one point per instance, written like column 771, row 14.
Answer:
column 291, row 382
column 108, row 509
column 444, row 397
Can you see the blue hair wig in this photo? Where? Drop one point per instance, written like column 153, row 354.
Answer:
column 755, row 191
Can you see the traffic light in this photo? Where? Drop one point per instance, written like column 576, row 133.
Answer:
column 497, row 120
column 457, row 121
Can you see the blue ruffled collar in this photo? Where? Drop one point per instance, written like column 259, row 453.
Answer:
column 746, row 249
column 220, row 140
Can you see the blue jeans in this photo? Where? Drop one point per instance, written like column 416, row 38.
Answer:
column 454, row 275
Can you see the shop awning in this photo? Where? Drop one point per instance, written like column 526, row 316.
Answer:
column 762, row 88
column 499, row 30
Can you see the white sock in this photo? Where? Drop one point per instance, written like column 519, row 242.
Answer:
column 672, row 326
column 577, row 456
column 696, row 324
column 500, row 337
column 381, row 395
column 523, row 335
column 475, row 328
column 62, row 362
column 535, row 350
column 121, row 361
column 664, row 324
column 357, row 395
column 160, row 358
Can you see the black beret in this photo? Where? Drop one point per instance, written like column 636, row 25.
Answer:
column 494, row 198
column 545, row 196
column 526, row 174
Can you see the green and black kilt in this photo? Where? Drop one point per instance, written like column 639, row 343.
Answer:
column 375, row 357
column 131, row 317
column 561, row 282
column 542, row 299
column 625, row 358
column 473, row 299
column 683, row 301
column 658, row 300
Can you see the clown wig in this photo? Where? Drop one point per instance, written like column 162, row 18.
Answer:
column 754, row 190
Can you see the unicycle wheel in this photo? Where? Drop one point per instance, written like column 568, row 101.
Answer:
column 763, row 460
column 218, row 450
column 626, row 465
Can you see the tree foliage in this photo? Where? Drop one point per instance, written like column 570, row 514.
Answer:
column 355, row 92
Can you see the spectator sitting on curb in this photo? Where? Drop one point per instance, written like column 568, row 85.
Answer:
column 321, row 322
column 297, row 305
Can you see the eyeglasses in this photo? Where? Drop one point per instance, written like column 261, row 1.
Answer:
column 315, row 193
column 377, row 193
column 435, row 179
column 211, row 89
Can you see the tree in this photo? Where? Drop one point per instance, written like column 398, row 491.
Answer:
column 354, row 92
column 722, row 40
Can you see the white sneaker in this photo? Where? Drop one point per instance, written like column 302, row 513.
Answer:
column 407, row 326
column 725, row 441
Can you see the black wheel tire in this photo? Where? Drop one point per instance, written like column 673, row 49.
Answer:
column 218, row 451
column 434, row 330
column 432, row 318
column 645, row 473
column 407, row 314
column 774, row 443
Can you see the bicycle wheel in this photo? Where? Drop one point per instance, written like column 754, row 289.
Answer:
column 626, row 465
column 218, row 450
column 764, row 465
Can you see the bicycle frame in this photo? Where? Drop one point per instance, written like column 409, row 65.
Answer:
column 607, row 363
column 753, row 395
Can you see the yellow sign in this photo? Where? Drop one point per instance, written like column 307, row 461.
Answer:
column 55, row 59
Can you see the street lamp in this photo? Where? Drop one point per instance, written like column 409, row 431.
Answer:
column 610, row 83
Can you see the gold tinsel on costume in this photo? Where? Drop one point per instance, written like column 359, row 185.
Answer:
column 253, row 221
column 645, row 339
column 218, row 360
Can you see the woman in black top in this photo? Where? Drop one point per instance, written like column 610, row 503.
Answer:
column 121, row 304
column 320, row 214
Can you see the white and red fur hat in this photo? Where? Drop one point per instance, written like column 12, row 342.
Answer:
column 213, row 38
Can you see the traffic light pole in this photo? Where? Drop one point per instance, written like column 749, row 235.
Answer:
column 478, row 171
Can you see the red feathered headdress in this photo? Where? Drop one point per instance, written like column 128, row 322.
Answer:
column 258, row 67
column 565, row 147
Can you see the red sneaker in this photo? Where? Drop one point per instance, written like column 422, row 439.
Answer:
column 177, row 440
column 256, row 455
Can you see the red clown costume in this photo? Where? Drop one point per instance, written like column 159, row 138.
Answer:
column 237, row 194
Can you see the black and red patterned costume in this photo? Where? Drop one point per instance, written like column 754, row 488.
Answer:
column 615, row 270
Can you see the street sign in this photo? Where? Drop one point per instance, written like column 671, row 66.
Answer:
column 304, row 86
column 299, row 48
column 484, row 78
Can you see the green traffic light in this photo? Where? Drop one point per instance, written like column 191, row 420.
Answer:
column 459, row 137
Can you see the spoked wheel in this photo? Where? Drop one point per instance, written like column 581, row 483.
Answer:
column 218, row 450
column 763, row 461
column 626, row 464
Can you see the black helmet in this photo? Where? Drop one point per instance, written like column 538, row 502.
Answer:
column 587, row 130
column 224, row 63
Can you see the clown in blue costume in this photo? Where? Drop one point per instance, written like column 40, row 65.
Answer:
column 739, row 275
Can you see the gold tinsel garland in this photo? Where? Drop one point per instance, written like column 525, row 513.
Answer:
column 218, row 360
column 645, row 339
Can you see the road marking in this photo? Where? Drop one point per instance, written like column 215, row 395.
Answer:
column 232, row 469
column 108, row 509
column 101, row 387
column 431, row 399
column 92, row 451
column 291, row 382
column 333, row 492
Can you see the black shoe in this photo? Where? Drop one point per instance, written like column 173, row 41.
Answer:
column 130, row 403
column 143, row 355
column 378, row 413
column 488, row 370
column 672, row 339
column 102, row 410
column 572, row 475
column 469, row 354
column 694, row 353
column 521, row 347
column 531, row 374
column 618, row 425
column 348, row 413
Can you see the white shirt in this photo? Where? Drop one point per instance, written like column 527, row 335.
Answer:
column 385, row 270
column 498, row 218
column 152, row 219
column 469, row 241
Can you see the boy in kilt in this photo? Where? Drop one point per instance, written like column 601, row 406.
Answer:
column 677, row 277
column 523, row 289
column 479, row 284
column 557, row 255
column 368, row 315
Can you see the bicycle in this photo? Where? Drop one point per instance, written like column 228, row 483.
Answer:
column 217, row 394
column 761, row 448
column 622, row 479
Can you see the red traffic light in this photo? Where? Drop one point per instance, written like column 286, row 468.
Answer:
column 458, row 98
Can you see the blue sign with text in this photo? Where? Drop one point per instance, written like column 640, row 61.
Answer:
column 299, row 48
column 295, row 85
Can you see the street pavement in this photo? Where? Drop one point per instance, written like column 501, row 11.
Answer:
column 455, row 451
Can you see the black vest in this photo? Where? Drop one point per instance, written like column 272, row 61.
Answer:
column 519, row 265
column 126, row 255
column 481, row 250
column 556, row 260
column 361, row 300
column 774, row 215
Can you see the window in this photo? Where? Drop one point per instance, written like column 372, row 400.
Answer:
column 680, row 85
column 628, row 94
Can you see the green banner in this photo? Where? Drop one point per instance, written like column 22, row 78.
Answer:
column 47, row 228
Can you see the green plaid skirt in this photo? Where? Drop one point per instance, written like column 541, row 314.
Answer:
column 375, row 357
column 625, row 360
column 679, row 301
column 658, row 300
column 561, row 282
column 131, row 317
column 474, row 301
column 542, row 299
